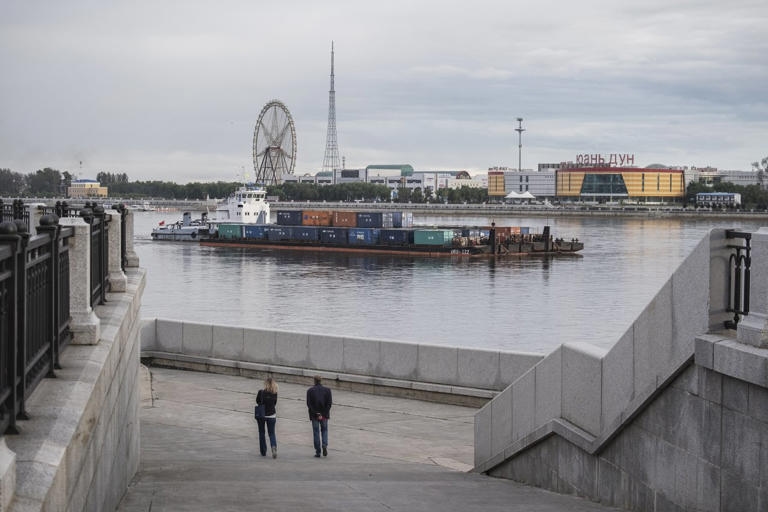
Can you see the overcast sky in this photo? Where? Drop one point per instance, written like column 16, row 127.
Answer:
column 172, row 90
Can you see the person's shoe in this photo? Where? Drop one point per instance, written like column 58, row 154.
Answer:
column 325, row 451
column 274, row 452
column 317, row 454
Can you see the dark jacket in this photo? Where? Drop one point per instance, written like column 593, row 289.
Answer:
column 319, row 401
column 268, row 399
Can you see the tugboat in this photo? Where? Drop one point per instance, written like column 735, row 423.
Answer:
column 185, row 230
column 247, row 205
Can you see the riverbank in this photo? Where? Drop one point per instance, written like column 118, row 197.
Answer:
column 501, row 210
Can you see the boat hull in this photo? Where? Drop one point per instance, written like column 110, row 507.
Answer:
column 477, row 251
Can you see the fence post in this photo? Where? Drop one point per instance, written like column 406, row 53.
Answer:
column 117, row 280
column 131, row 258
column 50, row 224
column 85, row 326
column 102, row 249
column 21, row 340
column 753, row 327
column 34, row 213
column 9, row 235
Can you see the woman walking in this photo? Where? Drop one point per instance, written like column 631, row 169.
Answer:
column 268, row 397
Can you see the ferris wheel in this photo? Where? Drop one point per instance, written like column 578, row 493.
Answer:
column 274, row 144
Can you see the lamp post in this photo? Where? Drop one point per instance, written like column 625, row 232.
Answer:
column 520, row 131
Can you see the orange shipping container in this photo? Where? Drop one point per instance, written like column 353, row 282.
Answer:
column 345, row 219
column 316, row 218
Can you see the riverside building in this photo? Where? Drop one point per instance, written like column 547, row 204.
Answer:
column 601, row 184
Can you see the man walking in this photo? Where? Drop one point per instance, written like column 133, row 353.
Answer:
column 319, row 403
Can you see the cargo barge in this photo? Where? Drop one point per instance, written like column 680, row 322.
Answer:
column 385, row 233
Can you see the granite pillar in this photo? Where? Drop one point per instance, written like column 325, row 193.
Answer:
column 131, row 258
column 753, row 327
column 84, row 324
column 117, row 279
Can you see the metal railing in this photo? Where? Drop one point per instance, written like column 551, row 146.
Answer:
column 14, row 211
column 33, row 321
column 739, row 264
column 35, row 299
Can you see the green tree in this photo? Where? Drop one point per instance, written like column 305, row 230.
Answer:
column 11, row 183
column 44, row 183
column 762, row 172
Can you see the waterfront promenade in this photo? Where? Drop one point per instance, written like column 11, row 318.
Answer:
column 199, row 452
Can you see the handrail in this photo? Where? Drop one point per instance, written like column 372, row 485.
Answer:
column 31, row 286
column 739, row 264
column 35, row 297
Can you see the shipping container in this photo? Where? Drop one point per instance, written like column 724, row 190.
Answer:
column 345, row 219
column 396, row 236
column 525, row 231
column 363, row 236
column 276, row 233
column 333, row 235
column 288, row 217
column 369, row 219
column 230, row 230
column 515, row 230
column 257, row 232
column 433, row 236
column 387, row 220
column 305, row 233
column 399, row 220
column 316, row 218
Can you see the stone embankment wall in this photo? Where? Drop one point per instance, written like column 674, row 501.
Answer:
column 79, row 447
column 440, row 373
column 668, row 419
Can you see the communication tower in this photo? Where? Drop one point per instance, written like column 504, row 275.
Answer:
column 331, row 160
column 520, row 131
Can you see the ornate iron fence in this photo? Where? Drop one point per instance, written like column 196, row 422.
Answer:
column 14, row 211
column 31, row 323
column 35, row 298
column 739, row 264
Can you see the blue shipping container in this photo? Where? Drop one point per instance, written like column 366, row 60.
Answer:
column 258, row 232
column 276, row 233
column 305, row 233
column 369, row 219
column 289, row 218
column 363, row 236
column 396, row 236
column 397, row 220
column 525, row 231
column 333, row 235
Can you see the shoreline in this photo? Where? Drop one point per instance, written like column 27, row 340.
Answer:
column 505, row 210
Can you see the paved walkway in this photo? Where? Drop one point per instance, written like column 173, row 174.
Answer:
column 199, row 452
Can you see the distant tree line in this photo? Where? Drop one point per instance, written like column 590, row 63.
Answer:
column 41, row 183
column 50, row 182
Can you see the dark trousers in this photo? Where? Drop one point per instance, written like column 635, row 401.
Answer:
column 270, row 424
column 319, row 427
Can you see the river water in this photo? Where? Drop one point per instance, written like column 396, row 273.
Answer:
column 529, row 304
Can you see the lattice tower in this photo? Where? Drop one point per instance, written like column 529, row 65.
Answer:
column 331, row 159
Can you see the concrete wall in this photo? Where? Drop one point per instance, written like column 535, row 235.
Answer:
column 702, row 444
column 585, row 396
column 79, row 447
column 375, row 363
